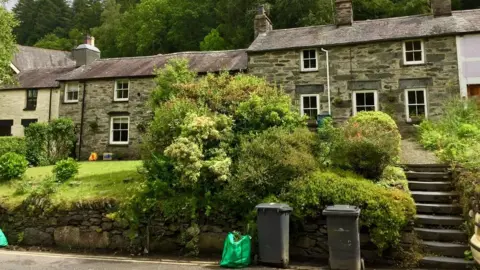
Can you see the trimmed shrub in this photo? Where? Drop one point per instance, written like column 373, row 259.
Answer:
column 12, row 144
column 12, row 165
column 370, row 143
column 385, row 212
column 65, row 169
column 36, row 137
column 394, row 177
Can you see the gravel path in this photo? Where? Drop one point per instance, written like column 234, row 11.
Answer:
column 413, row 153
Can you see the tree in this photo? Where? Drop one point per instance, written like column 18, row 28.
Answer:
column 213, row 42
column 7, row 46
column 52, row 41
column 26, row 13
column 106, row 34
column 86, row 14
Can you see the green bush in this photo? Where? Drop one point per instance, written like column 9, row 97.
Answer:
column 12, row 166
column 36, row 137
column 12, row 144
column 370, row 142
column 385, row 212
column 65, row 169
column 394, row 177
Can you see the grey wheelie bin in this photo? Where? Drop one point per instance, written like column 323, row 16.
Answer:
column 343, row 237
column 273, row 223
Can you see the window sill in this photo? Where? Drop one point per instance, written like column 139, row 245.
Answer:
column 120, row 101
column 30, row 109
column 70, row 102
column 413, row 64
column 308, row 70
column 119, row 144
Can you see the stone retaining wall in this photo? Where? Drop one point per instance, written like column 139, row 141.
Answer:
column 90, row 228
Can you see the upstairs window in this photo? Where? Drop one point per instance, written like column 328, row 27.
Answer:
column 121, row 90
column 119, row 130
column 310, row 106
column 416, row 104
column 31, row 99
column 309, row 60
column 364, row 101
column 413, row 52
column 71, row 92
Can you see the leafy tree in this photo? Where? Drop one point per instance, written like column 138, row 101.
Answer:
column 86, row 14
column 106, row 34
column 26, row 13
column 213, row 42
column 52, row 41
column 7, row 46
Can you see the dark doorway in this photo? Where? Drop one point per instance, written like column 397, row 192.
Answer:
column 6, row 128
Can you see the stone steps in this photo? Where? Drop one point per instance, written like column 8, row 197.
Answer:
column 428, row 176
column 430, row 186
column 438, row 208
column 446, row 249
column 441, row 235
column 427, row 167
column 438, row 220
column 433, row 262
column 434, row 196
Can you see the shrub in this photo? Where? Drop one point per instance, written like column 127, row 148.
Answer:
column 394, row 177
column 12, row 144
column 36, row 137
column 12, row 166
column 371, row 142
column 65, row 169
column 384, row 212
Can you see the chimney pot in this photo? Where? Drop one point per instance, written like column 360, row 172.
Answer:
column 344, row 14
column 441, row 7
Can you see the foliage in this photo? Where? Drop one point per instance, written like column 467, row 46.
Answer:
column 213, row 42
column 329, row 141
column 12, row 166
column 106, row 33
column 12, row 144
column 7, row 46
column 384, row 212
column 65, row 169
column 394, row 177
column 48, row 143
column 370, row 142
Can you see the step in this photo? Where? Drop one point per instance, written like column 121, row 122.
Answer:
column 428, row 176
column 430, row 186
column 432, row 262
column 441, row 235
column 438, row 220
column 434, row 196
column 445, row 248
column 427, row 167
column 435, row 208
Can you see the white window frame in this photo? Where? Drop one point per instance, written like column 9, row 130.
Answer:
column 67, row 87
column 115, row 98
column 422, row 44
column 302, row 67
column 407, row 110
column 354, row 99
column 111, row 130
column 317, row 96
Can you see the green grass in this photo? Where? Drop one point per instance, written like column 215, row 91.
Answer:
column 96, row 181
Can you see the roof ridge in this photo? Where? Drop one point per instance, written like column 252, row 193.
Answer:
column 39, row 48
column 169, row 54
column 48, row 68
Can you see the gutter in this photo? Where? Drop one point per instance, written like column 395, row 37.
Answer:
column 82, row 119
column 328, row 83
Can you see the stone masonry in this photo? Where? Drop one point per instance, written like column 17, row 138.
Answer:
column 374, row 66
column 100, row 107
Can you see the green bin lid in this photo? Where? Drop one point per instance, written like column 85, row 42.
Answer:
column 282, row 207
column 341, row 210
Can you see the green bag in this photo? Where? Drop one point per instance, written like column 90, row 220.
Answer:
column 3, row 240
column 236, row 254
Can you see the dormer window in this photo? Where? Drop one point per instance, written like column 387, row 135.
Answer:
column 121, row 90
column 309, row 60
column 413, row 52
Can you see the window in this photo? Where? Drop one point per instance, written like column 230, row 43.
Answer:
column 71, row 92
column 31, row 99
column 413, row 52
column 121, row 90
column 119, row 130
column 6, row 127
column 309, row 60
column 310, row 105
column 415, row 102
column 364, row 101
column 27, row 122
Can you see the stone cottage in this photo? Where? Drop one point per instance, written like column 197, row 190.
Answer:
column 405, row 66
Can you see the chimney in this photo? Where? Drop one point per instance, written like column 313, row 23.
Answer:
column 344, row 12
column 86, row 53
column 262, row 22
column 441, row 7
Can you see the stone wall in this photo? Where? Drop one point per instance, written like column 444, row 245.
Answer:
column 100, row 107
column 375, row 66
column 90, row 228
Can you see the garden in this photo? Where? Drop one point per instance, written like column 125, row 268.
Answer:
column 216, row 146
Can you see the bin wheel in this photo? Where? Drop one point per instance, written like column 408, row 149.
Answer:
column 362, row 264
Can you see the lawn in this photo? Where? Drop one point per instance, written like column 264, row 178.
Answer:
column 100, row 180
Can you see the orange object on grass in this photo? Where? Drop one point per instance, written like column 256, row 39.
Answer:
column 93, row 157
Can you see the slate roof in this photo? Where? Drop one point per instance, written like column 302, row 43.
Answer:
column 39, row 78
column 467, row 21
column 201, row 62
column 27, row 58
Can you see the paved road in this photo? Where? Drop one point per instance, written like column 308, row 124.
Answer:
column 15, row 260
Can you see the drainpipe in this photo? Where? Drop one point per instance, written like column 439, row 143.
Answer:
column 50, row 107
column 328, row 83
column 81, row 120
